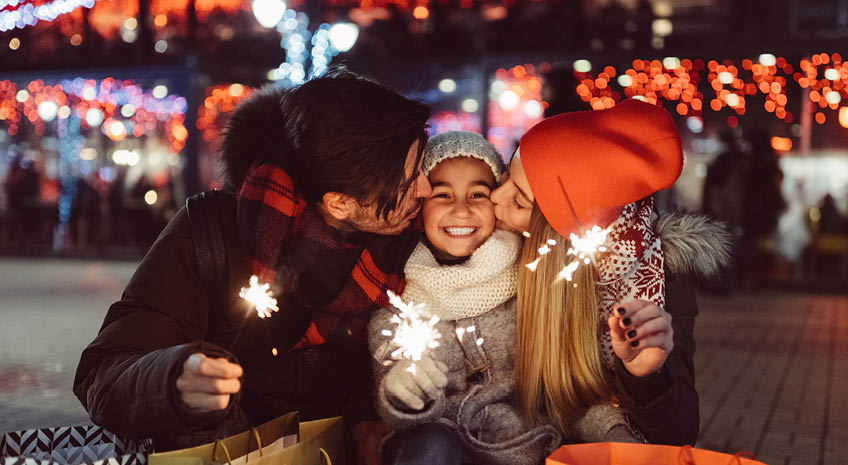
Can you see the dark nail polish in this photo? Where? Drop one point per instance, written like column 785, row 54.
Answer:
column 620, row 310
column 634, row 343
column 626, row 321
column 631, row 334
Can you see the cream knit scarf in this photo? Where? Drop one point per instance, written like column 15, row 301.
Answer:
column 476, row 286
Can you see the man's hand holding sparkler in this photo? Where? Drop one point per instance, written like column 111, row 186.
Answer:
column 206, row 384
column 411, row 388
column 642, row 336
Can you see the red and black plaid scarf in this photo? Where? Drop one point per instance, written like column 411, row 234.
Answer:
column 326, row 282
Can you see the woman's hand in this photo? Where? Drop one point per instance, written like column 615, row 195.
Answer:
column 642, row 336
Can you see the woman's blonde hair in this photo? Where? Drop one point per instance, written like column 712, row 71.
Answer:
column 558, row 368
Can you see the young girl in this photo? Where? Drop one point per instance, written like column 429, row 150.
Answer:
column 459, row 402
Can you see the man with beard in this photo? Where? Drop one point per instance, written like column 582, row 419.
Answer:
column 323, row 183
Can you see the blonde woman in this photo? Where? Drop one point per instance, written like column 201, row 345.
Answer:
column 621, row 329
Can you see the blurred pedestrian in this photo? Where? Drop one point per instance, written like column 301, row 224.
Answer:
column 764, row 204
column 831, row 221
column 22, row 195
column 85, row 215
column 724, row 198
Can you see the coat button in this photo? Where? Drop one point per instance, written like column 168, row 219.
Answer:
column 311, row 356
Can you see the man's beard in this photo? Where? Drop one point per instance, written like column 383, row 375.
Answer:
column 365, row 219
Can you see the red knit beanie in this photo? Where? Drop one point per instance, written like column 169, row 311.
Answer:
column 600, row 161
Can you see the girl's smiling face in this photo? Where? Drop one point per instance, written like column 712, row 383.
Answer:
column 458, row 216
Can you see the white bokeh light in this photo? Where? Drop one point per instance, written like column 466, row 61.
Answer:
column 533, row 109
column 671, row 62
column 268, row 12
column 470, row 105
column 767, row 59
column 160, row 91
column 509, row 100
column 733, row 100
column 47, row 110
column 831, row 74
column 343, row 36
column 582, row 66
column 94, row 117
column 447, row 86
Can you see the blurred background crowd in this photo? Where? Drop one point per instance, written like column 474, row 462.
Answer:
column 111, row 110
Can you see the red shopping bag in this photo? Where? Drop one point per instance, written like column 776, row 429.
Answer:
column 616, row 453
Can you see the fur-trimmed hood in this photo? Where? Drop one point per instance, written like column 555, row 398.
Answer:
column 255, row 130
column 694, row 245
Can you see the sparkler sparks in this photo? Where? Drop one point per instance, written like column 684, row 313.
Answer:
column 583, row 248
column 260, row 297
column 588, row 244
column 415, row 333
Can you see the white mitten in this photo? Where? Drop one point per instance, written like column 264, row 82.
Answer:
column 412, row 390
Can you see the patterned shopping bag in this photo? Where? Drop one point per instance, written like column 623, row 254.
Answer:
column 72, row 445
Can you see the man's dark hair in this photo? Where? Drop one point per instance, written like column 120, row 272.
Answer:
column 336, row 133
column 352, row 135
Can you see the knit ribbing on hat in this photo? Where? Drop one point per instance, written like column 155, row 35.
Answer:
column 453, row 292
column 461, row 144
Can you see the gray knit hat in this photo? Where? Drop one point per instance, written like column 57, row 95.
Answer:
column 461, row 144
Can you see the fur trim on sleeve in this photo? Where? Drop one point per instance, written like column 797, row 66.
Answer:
column 694, row 245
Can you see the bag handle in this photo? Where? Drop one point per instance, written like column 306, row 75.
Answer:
column 685, row 456
column 258, row 443
column 247, row 456
column 325, row 455
column 226, row 452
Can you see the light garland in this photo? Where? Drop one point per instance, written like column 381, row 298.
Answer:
column 675, row 80
column 28, row 14
column 300, row 44
column 827, row 89
column 515, row 104
column 94, row 103
column 445, row 121
column 219, row 101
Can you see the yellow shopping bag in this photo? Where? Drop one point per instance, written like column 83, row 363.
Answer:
column 318, row 442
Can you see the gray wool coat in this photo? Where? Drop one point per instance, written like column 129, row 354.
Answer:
column 478, row 402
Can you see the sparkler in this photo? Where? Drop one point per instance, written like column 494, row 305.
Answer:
column 415, row 333
column 260, row 297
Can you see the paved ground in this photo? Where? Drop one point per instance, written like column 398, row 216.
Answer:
column 772, row 369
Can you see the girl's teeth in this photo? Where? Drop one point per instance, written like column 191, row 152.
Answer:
column 459, row 231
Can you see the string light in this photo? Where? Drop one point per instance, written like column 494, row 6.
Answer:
column 219, row 101
column 515, row 104
column 28, row 14
column 93, row 102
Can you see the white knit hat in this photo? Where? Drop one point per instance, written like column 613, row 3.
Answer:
column 461, row 144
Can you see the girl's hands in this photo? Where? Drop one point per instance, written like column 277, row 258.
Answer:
column 412, row 390
column 642, row 336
